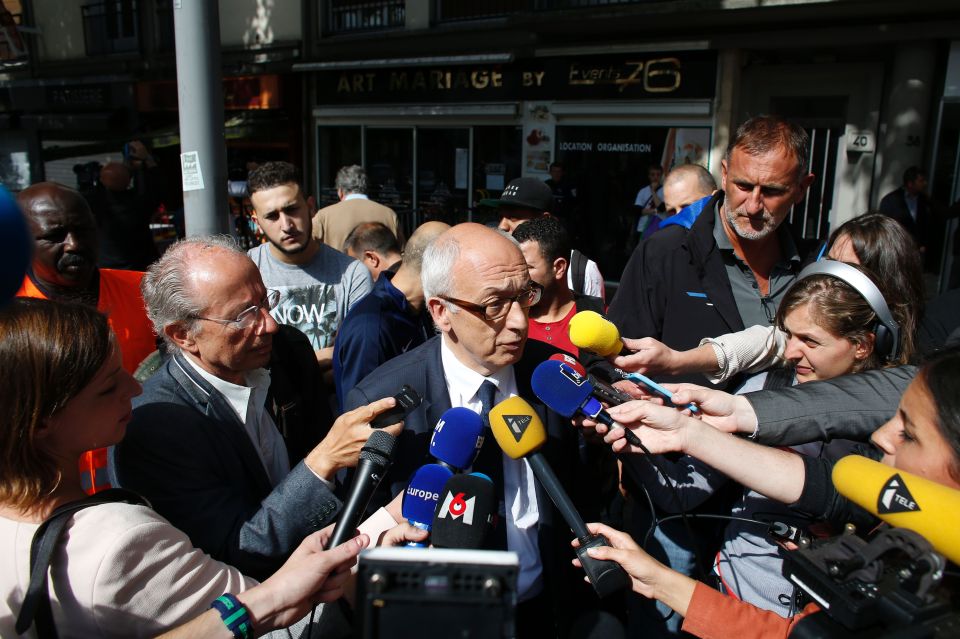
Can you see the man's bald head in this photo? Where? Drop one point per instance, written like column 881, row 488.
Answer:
column 685, row 184
column 64, row 232
column 418, row 242
column 478, row 290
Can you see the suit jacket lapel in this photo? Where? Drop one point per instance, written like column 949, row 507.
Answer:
column 436, row 400
column 221, row 416
column 713, row 272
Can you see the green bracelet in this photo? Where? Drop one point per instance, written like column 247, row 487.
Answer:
column 234, row 615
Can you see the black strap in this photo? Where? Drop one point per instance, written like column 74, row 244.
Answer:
column 36, row 603
column 578, row 265
column 780, row 377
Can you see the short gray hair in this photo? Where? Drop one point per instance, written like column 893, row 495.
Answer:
column 437, row 266
column 164, row 286
column 352, row 179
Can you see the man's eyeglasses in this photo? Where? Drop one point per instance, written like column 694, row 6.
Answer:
column 250, row 316
column 499, row 308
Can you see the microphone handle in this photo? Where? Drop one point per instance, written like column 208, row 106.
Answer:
column 369, row 474
column 604, row 418
column 557, row 494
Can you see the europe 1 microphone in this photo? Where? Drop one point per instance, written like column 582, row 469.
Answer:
column 375, row 458
column 421, row 497
column 520, row 433
column 568, row 393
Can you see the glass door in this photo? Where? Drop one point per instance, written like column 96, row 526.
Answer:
column 388, row 158
column 443, row 174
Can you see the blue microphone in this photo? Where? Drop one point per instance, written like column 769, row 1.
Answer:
column 421, row 497
column 457, row 438
column 569, row 393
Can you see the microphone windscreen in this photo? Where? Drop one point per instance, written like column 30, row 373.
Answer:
column 17, row 246
column 379, row 447
column 593, row 332
column 421, row 497
column 559, row 387
column 465, row 512
column 903, row 500
column 571, row 361
column 457, row 437
column 517, row 427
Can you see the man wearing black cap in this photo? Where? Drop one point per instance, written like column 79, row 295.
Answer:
column 528, row 198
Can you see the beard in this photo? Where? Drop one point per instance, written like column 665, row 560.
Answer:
column 743, row 225
column 292, row 250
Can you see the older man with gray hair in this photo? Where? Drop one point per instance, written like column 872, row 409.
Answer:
column 203, row 444
column 333, row 223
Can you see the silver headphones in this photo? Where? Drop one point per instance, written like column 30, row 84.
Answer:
column 887, row 330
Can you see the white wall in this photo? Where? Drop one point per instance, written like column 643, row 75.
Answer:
column 248, row 23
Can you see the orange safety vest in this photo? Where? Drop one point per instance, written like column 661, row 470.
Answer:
column 121, row 301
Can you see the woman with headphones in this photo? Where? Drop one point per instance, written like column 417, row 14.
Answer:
column 836, row 322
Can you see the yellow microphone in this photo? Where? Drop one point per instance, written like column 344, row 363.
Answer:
column 903, row 500
column 517, row 427
column 520, row 433
column 591, row 331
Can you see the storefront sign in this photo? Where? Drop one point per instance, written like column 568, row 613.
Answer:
column 680, row 75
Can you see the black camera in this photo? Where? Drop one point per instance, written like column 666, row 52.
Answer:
column 888, row 586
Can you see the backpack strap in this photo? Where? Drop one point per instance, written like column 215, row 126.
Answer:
column 578, row 266
column 36, row 603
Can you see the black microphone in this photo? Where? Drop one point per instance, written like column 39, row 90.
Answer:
column 374, row 461
column 465, row 512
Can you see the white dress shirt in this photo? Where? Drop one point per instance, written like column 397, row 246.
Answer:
column 519, row 507
column 249, row 403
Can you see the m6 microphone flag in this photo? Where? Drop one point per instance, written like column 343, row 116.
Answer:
column 375, row 458
column 568, row 393
column 520, row 433
column 457, row 437
column 465, row 512
column 903, row 500
column 421, row 496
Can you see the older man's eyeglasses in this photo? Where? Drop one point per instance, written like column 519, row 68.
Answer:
column 498, row 309
column 250, row 316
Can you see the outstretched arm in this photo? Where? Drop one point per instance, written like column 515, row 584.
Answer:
column 775, row 473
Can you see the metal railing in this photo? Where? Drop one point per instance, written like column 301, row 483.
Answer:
column 110, row 27
column 350, row 16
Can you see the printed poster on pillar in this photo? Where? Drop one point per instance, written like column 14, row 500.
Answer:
column 539, row 133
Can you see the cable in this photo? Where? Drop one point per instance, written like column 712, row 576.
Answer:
column 704, row 516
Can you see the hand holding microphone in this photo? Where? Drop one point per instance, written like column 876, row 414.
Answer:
column 591, row 331
column 568, row 393
column 520, row 433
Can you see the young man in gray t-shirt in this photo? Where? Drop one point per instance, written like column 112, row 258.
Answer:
column 317, row 284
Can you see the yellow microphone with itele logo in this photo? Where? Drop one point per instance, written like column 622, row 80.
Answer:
column 903, row 500
column 591, row 331
column 519, row 431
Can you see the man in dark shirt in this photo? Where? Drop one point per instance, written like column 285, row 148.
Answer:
column 388, row 321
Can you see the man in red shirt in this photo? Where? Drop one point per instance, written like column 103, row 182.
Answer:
column 546, row 248
column 64, row 268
